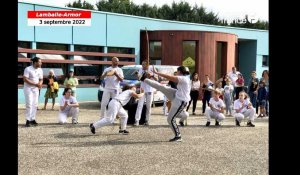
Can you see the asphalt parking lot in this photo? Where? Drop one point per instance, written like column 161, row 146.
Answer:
column 54, row 149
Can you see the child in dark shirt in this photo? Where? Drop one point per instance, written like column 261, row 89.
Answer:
column 261, row 98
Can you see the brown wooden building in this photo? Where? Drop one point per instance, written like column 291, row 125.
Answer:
column 208, row 53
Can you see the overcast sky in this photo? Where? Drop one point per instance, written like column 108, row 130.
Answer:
column 226, row 9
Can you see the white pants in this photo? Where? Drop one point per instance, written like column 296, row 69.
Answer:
column 248, row 113
column 107, row 94
column 62, row 117
column 213, row 114
column 177, row 109
column 165, row 108
column 114, row 108
column 31, row 100
column 148, row 96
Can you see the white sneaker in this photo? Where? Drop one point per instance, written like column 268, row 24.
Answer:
column 136, row 123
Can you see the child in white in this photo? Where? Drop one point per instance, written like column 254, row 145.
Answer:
column 115, row 107
column 215, row 109
column 68, row 107
column 148, row 94
column 243, row 108
column 228, row 90
column 112, row 77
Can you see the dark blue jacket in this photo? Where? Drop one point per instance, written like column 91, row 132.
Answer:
column 262, row 94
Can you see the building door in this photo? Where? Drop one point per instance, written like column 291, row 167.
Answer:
column 189, row 55
column 221, row 59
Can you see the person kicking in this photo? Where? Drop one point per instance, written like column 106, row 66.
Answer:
column 180, row 97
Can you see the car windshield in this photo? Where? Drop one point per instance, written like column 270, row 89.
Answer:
column 129, row 74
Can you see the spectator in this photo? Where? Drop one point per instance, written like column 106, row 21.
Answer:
column 195, row 87
column 50, row 93
column 223, row 80
column 71, row 82
column 252, row 88
column 207, row 87
column 239, row 85
column 265, row 78
column 233, row 76
column 228, row 90
column 262, row 98
column 220, row 88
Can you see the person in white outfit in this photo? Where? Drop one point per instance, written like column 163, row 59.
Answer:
column 179, row 97
column 33, row 81
column 148, row 94
column 115, row 107
column 243, row 108
column 112, row 76
column 69, row 107
column 233, row 76
column 215, row 109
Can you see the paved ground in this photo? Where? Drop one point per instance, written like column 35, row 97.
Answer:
column 56, row 149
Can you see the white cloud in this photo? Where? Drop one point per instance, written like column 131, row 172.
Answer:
column 227, row 9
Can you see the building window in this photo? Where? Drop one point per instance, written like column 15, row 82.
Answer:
column 82, row 48
column 189, row 55
column 88, row 72
column 24, row 45
column 21, row 68
column 155, row 52
column 51, row 46
column 265, row 60
column 121, row 50
column 23, row 65
column 59, row 68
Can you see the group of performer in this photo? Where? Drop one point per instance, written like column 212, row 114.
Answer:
column 113, row 101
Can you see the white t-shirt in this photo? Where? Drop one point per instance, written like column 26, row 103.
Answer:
column 124, row 97
column 112, row 82
column 228, row 89
column 195, row 85
column 32, row 74
column 233, row 77
column 71, row 100
column 144, row 85
column 238, row 105
column 217, row 104
column 183, row 88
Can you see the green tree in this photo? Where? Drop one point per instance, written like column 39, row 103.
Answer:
column 81, row 5
column 181, row 11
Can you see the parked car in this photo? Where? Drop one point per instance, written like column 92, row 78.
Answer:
column 131, row 78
